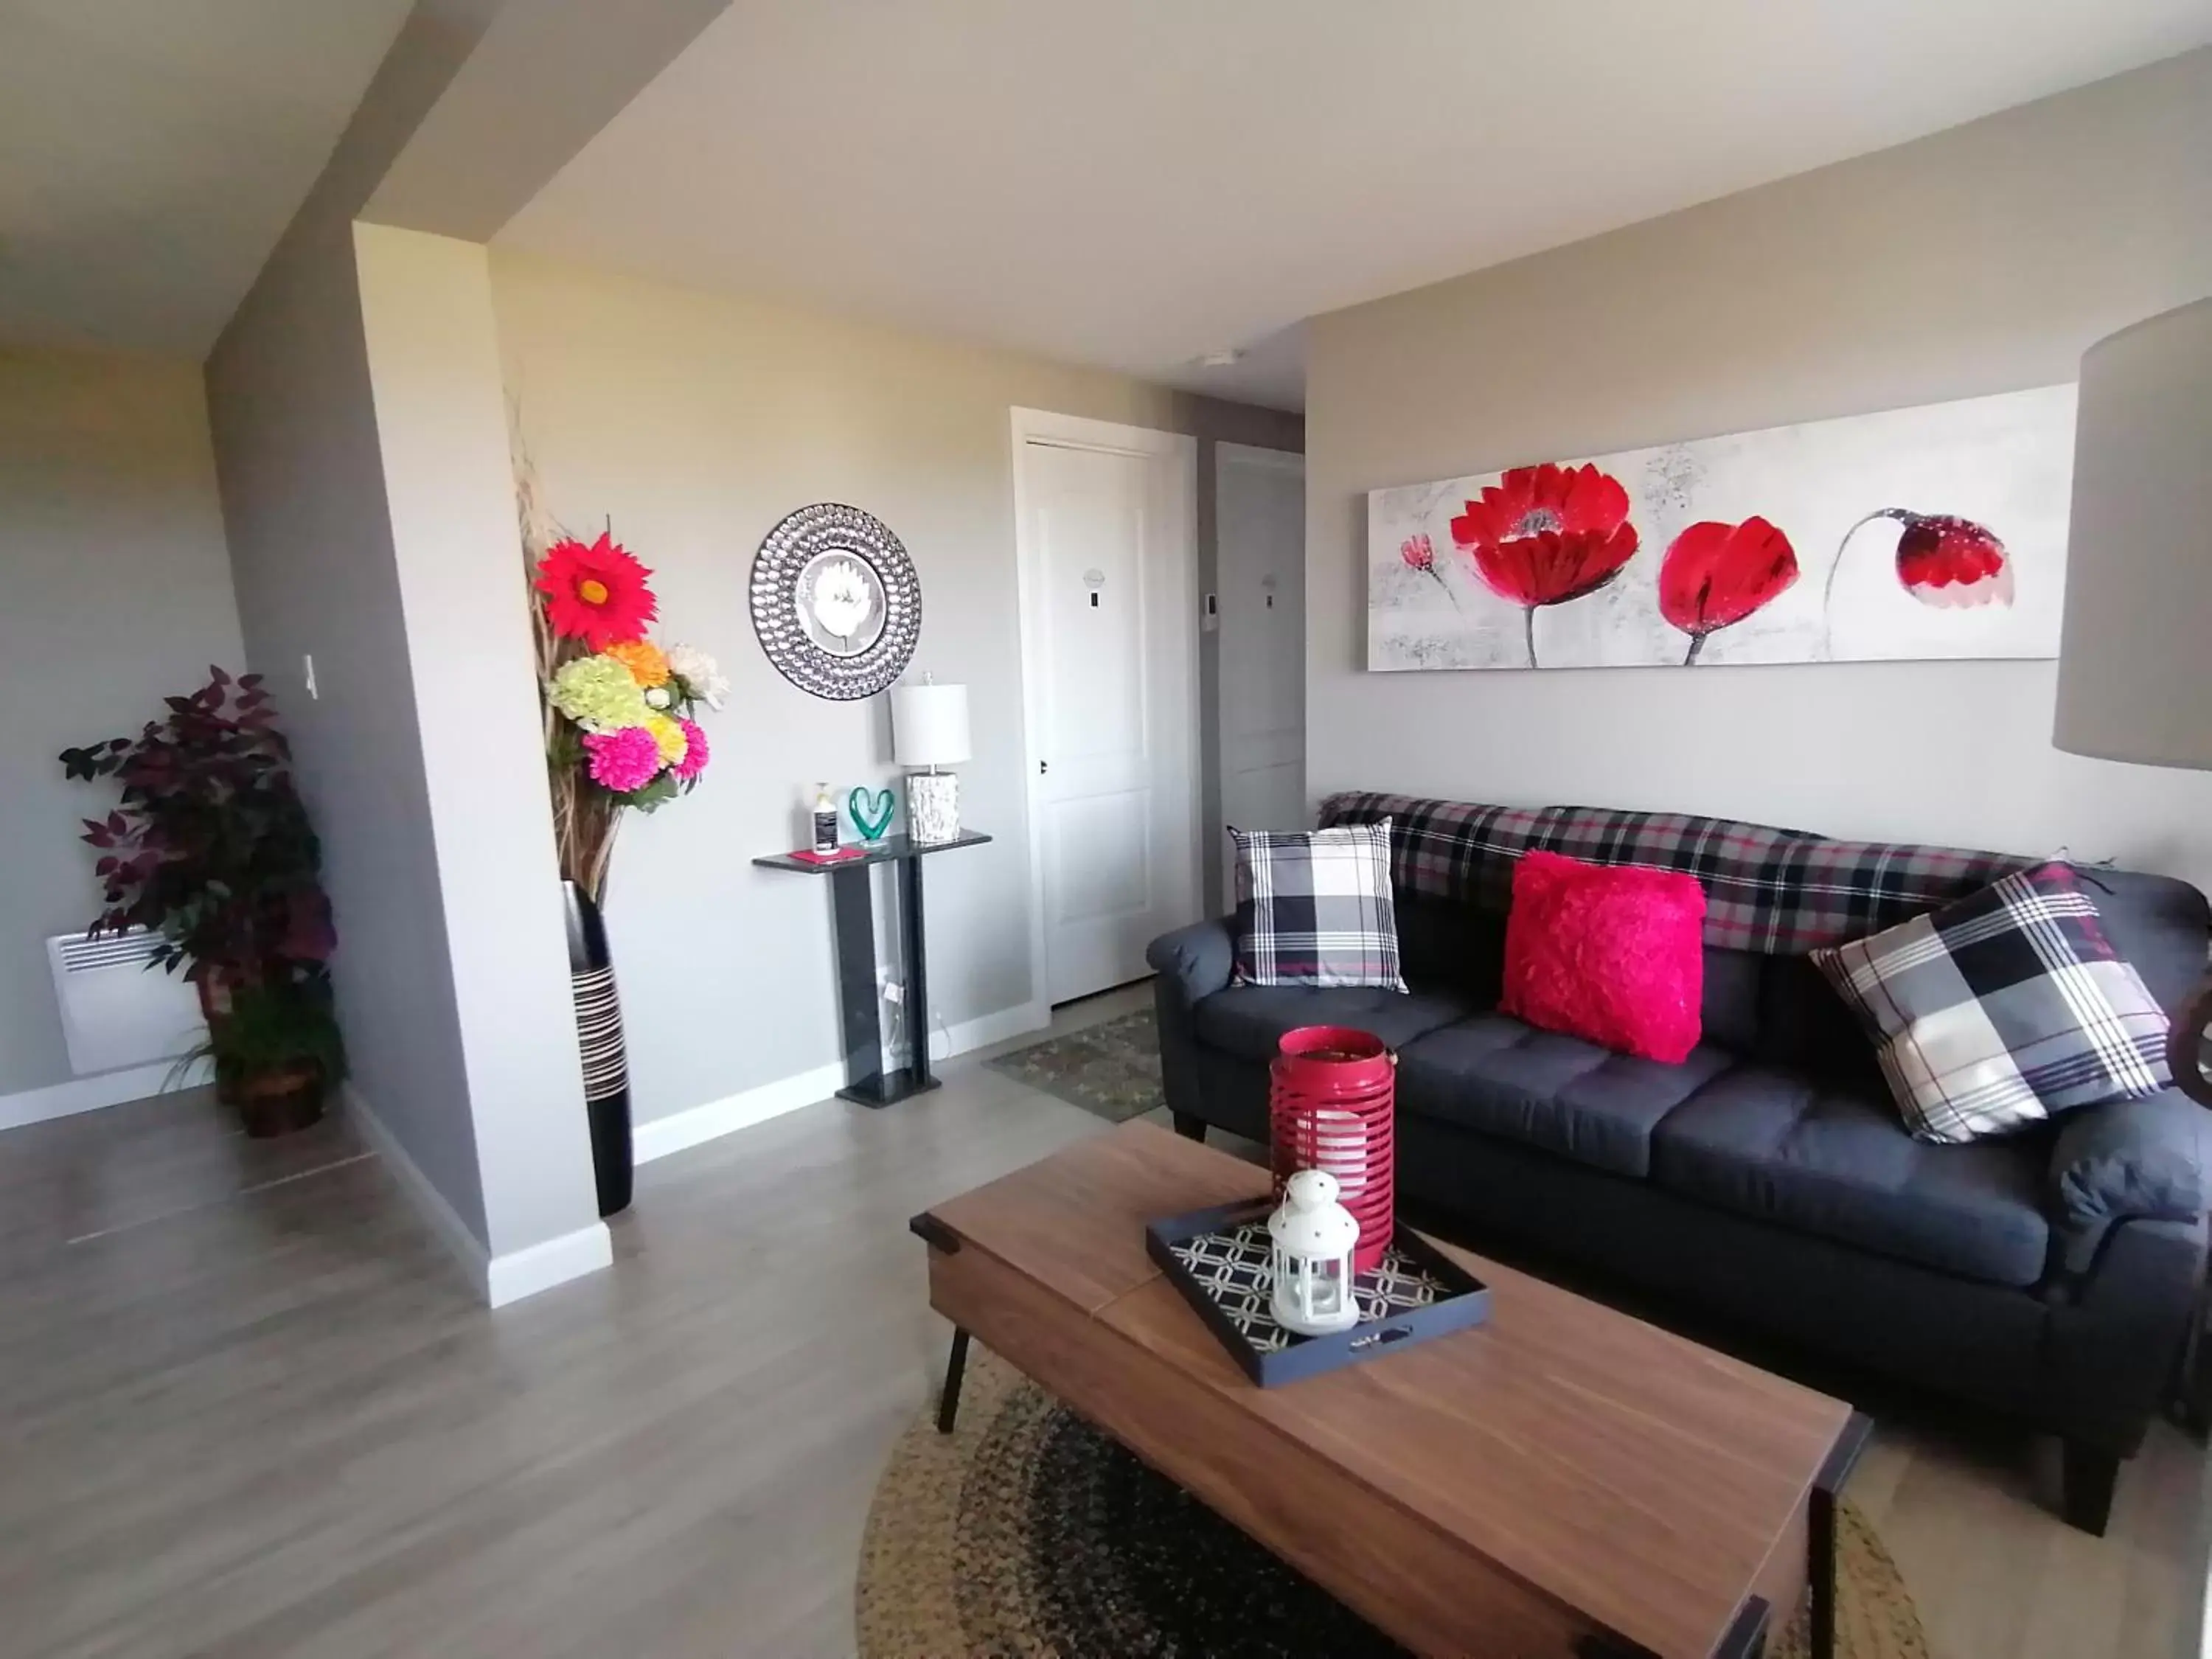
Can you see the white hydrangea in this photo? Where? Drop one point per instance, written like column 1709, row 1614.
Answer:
column 702, row 676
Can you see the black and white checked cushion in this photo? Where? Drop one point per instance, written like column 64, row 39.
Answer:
column 1314, row 908
column 2002, row 1008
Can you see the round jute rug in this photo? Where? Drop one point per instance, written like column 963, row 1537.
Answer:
column 1028, row 1534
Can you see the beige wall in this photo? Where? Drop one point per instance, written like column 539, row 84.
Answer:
column 117, row 594
column 693, row 421
column 1978, row 260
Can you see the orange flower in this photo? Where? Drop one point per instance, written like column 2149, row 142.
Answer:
column 646, row 662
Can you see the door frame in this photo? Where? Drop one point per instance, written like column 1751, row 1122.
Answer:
column 1179, row 451
column 1259, row 458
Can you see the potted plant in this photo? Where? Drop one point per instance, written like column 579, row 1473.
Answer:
column 210, row 849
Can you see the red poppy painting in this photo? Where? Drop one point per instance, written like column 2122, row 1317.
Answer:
column 1947, row 560
column 1547, row 535
column 1930, row 532
column 1715, row 574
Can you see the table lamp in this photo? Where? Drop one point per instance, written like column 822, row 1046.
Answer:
column 929, row 729
column 2134, row 662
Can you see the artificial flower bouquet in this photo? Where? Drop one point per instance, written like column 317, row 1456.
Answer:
column 622, row 724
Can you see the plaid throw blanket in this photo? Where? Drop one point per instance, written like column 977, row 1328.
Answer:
column 1779, row 891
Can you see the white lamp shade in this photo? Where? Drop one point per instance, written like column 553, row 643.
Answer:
column 2135, row 663
column 929, row 724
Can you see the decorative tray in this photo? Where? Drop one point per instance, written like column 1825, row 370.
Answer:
column 1220, row 1259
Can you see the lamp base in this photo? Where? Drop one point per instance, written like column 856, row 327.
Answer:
column 932, row 806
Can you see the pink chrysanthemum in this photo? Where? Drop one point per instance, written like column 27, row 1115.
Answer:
column 694, row 752
column 624, row 759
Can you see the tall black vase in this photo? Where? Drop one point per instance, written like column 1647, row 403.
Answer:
column 599, row 1033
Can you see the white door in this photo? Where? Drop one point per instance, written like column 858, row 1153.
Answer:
column 1260, row 519
column 1109, row 645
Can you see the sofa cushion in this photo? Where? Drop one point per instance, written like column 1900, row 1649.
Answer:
column 1248, row 1020
column 1498, row 1077
column 1777, row 1146
column 1314, row 908
column 2001, row 1010
column 1614, row 955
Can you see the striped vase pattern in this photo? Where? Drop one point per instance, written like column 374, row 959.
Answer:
column 606, row 1062
column 599, row 1032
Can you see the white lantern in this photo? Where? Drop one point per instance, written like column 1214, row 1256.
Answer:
column 1313, row 1236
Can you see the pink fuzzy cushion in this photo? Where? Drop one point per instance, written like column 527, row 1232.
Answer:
column 1615, row 956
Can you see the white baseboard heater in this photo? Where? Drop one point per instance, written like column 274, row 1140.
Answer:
column 116, row 1011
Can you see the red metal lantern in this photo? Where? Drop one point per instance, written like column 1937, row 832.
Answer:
column 1332, row 1105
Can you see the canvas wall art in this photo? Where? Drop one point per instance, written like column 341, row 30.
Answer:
column 1936, row 531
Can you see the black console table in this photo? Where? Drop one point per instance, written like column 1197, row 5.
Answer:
column 866, row 1079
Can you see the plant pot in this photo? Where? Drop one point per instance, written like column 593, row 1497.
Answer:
column 229, row 1083
column 599, row 1035
column 277, row 1102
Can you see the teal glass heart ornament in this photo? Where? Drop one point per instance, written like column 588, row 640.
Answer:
column 871, row 816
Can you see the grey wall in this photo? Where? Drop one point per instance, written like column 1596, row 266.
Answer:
column 303, row 498
column 117, row 593
column 1981, row 259
column 449, row 483
column 694, row 420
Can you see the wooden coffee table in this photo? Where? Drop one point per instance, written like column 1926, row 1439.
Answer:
column 1562, row 1481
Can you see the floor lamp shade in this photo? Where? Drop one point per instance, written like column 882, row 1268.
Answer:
column 929, row 729
column 2134, row 662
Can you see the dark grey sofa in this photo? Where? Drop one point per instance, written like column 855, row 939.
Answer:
column 2050, row 1278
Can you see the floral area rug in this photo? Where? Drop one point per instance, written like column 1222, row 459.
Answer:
column 1111, row 1069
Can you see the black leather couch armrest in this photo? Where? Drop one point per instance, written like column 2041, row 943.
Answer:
column 1196, row 960
column 2133, row 1160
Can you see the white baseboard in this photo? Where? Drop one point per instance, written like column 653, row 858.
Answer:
column 90, row 1094
column 679, row 1131
column 660, row 1137
column 523, row 1272
column 499, row 1279
column 459, row 1239
column 981, row 1033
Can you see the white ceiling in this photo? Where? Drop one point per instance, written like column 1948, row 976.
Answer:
column 151, row 152
column 1135, row 182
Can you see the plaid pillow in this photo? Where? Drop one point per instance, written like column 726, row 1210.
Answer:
column 2002, row 1008
column 1314, row 908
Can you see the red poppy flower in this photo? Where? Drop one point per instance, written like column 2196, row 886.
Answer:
column 1715, row 574
column 1543, row 535
column 1947, row 560
column 597, row 595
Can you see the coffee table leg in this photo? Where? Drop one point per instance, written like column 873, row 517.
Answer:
column 948, row 1405
column 1842, row 1457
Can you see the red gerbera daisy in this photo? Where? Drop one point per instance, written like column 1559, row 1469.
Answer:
column 1543, row 535
column 597, row 595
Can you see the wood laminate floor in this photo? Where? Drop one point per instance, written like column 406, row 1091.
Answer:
column 248, row 1410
